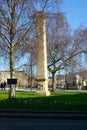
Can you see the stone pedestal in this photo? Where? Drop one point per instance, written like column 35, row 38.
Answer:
column 42, row 76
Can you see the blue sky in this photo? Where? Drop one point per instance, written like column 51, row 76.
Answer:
column 76, row 12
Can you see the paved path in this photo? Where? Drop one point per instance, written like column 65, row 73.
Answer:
column 43, row 115
column 41, row 124
column 34, row 89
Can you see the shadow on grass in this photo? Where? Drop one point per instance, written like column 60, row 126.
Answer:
column 59, row 101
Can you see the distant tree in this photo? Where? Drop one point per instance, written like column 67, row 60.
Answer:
column 58, row 42
column 80, row 40
column 64, row 49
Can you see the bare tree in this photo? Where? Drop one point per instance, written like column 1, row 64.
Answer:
column 15, row 26
column 64, row 49
column 58, row 39
column 80, row 41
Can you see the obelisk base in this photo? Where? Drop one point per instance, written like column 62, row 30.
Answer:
column 43, row 93
column 42, row 87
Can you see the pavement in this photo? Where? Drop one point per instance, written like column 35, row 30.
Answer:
column 58, row 115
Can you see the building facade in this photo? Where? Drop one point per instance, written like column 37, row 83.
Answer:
column 22, row 78
column 76, row 81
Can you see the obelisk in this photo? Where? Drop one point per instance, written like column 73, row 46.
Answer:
column 42, row 74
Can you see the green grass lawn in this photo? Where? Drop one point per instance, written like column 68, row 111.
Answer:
column 58, row 101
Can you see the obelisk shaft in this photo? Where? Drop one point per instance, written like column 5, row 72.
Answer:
column 42, row 76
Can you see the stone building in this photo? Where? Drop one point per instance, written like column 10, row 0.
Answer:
column 71, row 81
column 22, row 78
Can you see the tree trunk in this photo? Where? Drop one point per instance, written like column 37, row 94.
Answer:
column 12, row 93
column 53, row 82
column 12, row 60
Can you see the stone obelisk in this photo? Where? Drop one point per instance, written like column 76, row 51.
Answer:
column 42, row 75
